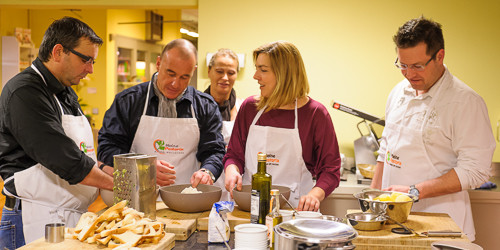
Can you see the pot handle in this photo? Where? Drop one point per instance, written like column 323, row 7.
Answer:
column 307, row 246
column 346, row 247
column 349, row 247
column 370, row 189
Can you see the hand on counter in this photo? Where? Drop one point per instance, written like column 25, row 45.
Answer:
column 165, row 173
column 312, row 200
column 232, row 179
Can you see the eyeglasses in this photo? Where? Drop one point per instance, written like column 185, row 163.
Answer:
column 86, row 59
column 415, row 67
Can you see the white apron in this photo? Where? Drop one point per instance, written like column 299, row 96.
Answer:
column 174, row 140
column 227, row 129
column 407, row 163
column 227, row 126
column 284, row 157
column 46, row 198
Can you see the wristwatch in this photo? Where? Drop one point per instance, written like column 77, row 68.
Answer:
column 414, row 191
column 209, row 173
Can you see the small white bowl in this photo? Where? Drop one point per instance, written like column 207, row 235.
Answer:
column 286, row 214
column 308, row 215
column 256, row 233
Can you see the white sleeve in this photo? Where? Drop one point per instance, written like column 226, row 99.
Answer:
column 473, row 142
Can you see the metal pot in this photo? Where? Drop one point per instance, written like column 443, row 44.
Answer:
column 314, row 234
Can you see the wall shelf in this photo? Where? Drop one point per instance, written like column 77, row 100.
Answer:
column 15, row 57
column 135, row 61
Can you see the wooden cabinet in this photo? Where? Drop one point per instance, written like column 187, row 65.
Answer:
column 136, row 61
column 486, row 212
column 15, row 57
column 342, row 199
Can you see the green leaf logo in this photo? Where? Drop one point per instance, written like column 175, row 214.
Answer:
column 83, row 147
column 159, row 146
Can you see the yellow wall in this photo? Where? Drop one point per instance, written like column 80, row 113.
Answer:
column 348, row 50
column 40, row 21
column 137, row 31
column 103, row 22
column 347, row 45
column 171, row 31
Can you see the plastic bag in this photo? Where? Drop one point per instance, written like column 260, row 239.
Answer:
column 218, row 225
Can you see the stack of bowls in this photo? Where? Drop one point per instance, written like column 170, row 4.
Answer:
column 251, row 236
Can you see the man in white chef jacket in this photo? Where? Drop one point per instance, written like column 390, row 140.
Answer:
column 437, row 142
column 167, row 118
column 47, row 154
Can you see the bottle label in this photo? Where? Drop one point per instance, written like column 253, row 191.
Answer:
column 270, row 232
column 254, row 206
column 271, row 222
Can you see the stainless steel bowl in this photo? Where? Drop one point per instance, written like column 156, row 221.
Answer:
column 366, row 221
column 107, row 197
column 333, row 218
column 397, row 211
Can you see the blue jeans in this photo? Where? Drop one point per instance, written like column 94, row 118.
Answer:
column 11, row 228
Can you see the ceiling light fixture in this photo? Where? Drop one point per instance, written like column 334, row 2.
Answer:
column 193, row 34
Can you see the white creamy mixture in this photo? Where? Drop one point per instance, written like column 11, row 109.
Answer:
column 190, row 190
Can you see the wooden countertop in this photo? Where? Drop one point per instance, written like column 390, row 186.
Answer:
column 167, row 242
column 418, row 221
column 180, row 226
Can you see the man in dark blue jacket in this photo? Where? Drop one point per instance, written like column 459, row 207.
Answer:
column 167, row 118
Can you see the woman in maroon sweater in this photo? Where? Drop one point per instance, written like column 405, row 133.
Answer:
column 295, row 131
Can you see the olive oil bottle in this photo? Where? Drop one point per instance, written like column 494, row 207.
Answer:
column 274, row 217
column 261, row 192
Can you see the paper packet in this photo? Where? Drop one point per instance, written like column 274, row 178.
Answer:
column 218, row 224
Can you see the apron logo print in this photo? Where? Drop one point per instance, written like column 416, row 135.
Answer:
column 162, row 148
column 84, row 148
column 272, row 160
column 393, row 160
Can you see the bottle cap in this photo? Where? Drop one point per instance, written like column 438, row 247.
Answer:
column 275, row 191
column 261, row 157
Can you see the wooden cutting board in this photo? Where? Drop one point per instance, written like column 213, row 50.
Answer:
column 167, row 242
column 180, row 224
column 235, row 218
column 420, row 222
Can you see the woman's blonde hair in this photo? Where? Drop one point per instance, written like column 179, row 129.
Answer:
column 291, row 78
column 224, row 52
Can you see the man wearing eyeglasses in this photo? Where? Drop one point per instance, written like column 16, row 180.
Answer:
column 438, row 141
column 47, row 154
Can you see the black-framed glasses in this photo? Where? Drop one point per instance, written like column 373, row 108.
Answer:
column 415, row 67
column 86, row 59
